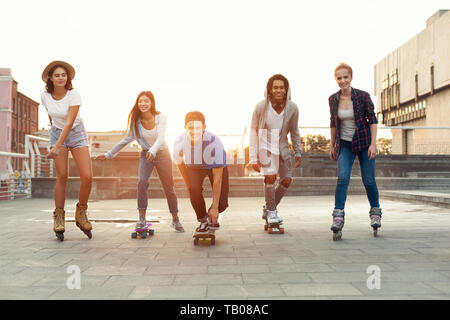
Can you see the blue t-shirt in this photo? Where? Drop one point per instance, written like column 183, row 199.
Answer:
column 207, row 155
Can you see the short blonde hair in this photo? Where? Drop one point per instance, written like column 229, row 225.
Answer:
column 343, row 66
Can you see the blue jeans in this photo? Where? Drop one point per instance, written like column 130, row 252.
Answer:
column 163, row 164
column 345, row 163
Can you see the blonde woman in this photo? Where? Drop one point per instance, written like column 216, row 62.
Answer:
column 353, row 128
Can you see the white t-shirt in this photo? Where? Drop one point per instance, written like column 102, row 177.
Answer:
column 274, row 123
column 59, row 109
column 150, row 135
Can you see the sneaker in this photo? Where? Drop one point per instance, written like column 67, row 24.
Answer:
column 177, row 226
column 142, row 222
column 203, row 227
column 211, row 226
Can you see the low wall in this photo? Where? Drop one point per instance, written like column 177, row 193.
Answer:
column 126, row 188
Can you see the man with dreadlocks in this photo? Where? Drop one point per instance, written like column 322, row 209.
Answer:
column 272, row 120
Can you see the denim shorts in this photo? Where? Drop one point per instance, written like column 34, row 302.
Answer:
column 77, row 137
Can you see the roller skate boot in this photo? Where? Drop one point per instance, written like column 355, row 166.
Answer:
column 59, row 221
column 265, row 212
column 81, row 220
column 338, row 223
column 375, row 220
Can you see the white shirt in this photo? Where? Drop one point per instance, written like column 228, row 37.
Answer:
column 150, row 135
column 59, row 109
column 270, row 140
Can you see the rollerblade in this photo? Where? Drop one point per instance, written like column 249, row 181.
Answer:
column 338, row 223
column 375, row 220
column 59, row 220
column 82, row 221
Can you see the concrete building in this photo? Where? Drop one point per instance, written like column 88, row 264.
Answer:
column 101, row 142
column 412, row 85
column 18, row 116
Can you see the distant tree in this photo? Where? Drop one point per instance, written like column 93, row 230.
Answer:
column 315, row 143
column 384, row 146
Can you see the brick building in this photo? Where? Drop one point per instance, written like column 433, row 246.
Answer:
column 18, row 116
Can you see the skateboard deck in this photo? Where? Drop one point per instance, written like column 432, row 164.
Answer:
column 208, row 236
column 143, row 232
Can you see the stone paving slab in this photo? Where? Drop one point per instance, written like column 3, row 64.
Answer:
column 412, row 253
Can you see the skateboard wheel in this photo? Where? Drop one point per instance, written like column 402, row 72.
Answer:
column 144, row 235
column 270, row 230
column 151, row 232
column 133, row 235
column 265, row 227
column 281, row 230
column 195, row 241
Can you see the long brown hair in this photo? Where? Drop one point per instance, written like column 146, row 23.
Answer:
column 50, row 87
column 135, row 113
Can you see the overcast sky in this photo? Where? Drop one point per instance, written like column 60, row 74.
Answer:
column 212, row 56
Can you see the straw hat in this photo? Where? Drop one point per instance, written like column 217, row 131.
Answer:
column 69, row 68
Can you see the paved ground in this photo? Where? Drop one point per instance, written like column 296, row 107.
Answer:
column 412, row 253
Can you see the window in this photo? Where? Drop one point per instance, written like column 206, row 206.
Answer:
column 416, row 80
column 432, row 79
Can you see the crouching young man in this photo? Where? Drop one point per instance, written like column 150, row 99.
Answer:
column 199, row 153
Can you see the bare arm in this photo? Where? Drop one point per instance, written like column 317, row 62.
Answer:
column 373, row 144
column 333, row 155
column 217, row 188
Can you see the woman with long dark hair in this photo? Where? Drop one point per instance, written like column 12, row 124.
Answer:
column 67, row 133
column 148, row 127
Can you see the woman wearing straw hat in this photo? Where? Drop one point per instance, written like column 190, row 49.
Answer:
column 67, row 132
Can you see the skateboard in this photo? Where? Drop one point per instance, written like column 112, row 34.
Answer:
column 273, row 228
column 204, row 237
column 143, row 232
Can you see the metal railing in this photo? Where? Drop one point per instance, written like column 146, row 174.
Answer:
column 414, row 140
column 16, row 182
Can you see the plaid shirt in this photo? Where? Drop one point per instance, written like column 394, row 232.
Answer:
column 364, row 116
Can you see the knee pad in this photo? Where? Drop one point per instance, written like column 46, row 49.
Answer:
column 270, row 179
column 286, row 182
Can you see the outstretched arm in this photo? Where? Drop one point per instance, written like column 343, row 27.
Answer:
column 217, row 188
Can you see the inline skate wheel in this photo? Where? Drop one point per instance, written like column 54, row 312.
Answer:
column 337, row 235
column 60, row 236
